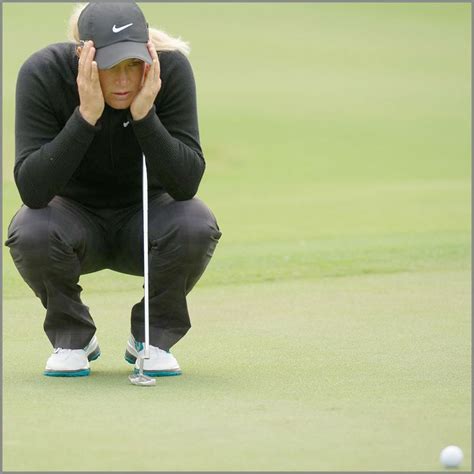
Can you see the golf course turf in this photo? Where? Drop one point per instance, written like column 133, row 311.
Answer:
column 332, row 329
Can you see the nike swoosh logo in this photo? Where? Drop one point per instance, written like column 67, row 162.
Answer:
column 125, row 124
column 118, row 30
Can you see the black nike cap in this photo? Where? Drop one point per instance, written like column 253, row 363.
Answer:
column 119, row 31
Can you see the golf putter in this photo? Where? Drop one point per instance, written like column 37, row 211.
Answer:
column 141, row 378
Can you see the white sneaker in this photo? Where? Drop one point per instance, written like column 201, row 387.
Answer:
column 160, row 363
column 72, row 362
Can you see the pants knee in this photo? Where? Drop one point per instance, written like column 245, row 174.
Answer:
column 28, row 235
column 193, row 232
column 198, row 233
column 34, row 242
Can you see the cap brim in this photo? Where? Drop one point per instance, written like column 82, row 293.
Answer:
column 109, row 56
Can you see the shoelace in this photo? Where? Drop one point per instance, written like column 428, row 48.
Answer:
column 141, row 347
column 157, row 351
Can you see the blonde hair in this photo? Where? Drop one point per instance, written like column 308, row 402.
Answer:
column 161, row 41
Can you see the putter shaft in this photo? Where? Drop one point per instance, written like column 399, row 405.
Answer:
column 141, row 378
column 145, row 259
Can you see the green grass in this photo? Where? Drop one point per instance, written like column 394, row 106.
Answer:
column 351, row 373
column 332, row 329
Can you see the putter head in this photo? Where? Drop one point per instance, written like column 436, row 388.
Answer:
column 141, row 378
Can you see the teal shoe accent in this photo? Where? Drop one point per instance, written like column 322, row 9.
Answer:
column 78, row 373
column 131, row 359
column 94, row 356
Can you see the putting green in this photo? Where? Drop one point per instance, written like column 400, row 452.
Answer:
column 353, row 373
column 332, row 329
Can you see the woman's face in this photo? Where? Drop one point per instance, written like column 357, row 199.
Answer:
column 121, row 83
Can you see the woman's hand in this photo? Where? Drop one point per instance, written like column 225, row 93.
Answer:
column 143, row 101
column 90, row 93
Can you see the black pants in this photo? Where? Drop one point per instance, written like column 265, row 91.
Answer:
column 53, row 246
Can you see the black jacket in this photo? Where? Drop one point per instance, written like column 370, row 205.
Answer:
column 59, row 153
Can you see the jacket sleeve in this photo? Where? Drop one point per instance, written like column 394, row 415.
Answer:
column 169, row 136
column 47, row 153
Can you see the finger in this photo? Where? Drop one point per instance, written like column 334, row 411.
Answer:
column 92, row 51
column 83, row 55
column 152, row 50
column 86, row 65
column 148, row 77
column 90, row 58
column 85, row 50
column 146, row 73
column 78, row 53
column 154, row 57
column 153, row 71
column 94, row 72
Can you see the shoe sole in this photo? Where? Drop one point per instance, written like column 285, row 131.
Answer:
column 94, row 355
column 131, row 359
column 74, row 373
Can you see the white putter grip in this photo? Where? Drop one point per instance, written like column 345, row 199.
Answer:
column 145, row 259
